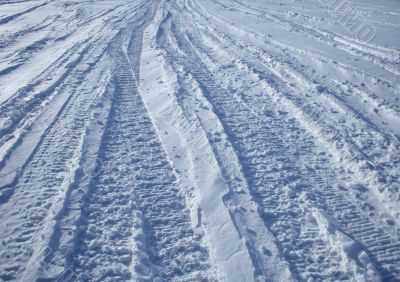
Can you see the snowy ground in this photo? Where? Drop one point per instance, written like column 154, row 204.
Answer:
column 212, row 140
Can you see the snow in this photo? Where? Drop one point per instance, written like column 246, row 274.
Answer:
column 213, row 140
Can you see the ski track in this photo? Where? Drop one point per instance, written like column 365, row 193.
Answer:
column 295, row 120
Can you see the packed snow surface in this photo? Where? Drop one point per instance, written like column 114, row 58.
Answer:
column 199, row 140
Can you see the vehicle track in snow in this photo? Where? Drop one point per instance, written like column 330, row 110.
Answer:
column 295, row 169
column 290, row 152
column 385, row 58
column 384, row 241
column 137, row 225
column 46, row 160
column 9, row 18
column 27, row 114
column 360, row 145
column 240, row 117
column 42, row 184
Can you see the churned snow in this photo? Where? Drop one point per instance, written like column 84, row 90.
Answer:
column 212, row 140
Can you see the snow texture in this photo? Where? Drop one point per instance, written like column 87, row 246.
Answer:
column 212, row 140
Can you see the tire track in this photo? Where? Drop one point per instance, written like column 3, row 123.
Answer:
column 27, row 217
column 17, row 149
column 135, row 215
column 26, row 107
column 204, row 160
column 7, row 19
column 263, row 179
column 387, row 59
column 357, row 138
column 242, row 132
column 370, row 232
column 301, row 175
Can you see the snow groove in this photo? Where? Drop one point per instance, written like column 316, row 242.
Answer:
column 136, row 196
column 7, row 19
column 367, row 158
column 241, row 122
column 40, row 189
column 204, row 161
column 213, row 140
column 370, row 235
column 269, row 139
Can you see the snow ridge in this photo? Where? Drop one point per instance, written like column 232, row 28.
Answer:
column 214, row 140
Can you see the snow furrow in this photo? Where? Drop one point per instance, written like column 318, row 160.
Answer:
column 383, row 58
column 9, row 18
column 360, row 146
column 240, row 118
column 135, row 215
column 26, row 115
column 213, row 140
column 40, row 189
column 258, row 171
column 47, row 159
column 334, row 203
column 178, row 108
column 16, row 150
